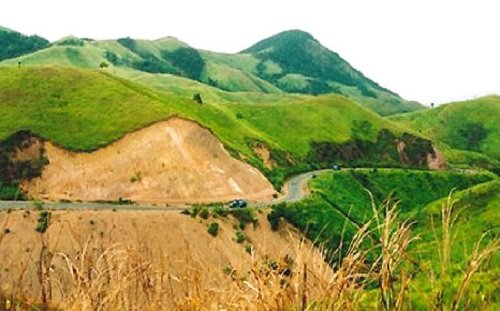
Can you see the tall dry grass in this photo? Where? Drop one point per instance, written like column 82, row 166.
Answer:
column 378, row 271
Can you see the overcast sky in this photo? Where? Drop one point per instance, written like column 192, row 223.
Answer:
column 425, row 50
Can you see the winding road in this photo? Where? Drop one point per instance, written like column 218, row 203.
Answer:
column 295, row 189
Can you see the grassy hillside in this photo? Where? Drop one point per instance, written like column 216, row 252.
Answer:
column 341, row 199
column 469, row 126
column 83, row 110
column 408, row 241
column 14, row 44
column 297, row 62
column 310, row 69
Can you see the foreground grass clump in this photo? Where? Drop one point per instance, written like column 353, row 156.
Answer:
column 385, row 266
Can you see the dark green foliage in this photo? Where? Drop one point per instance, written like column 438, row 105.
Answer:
column 472, row 134
column 71, row 42
column 384, row 151
column 240, row 237
column 149, row 63
column 14, row 44
column 12, row 170
column 187, row 60
column 221, row 211
column 205, row 213
column 197, row 98
column 103, row 65
column 43, row 221
column 213, row 229
column 245, row 216
column 6, row 231
column 128, row 43
column 298, row 52
column 153, row 64
column 112, row 58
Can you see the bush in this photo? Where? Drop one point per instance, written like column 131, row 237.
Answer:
column 205, row 213
column 245, row 216
column 240, row 237
column 43, row 222
column 213, row 229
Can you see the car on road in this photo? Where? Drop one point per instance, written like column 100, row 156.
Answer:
column 238, row 203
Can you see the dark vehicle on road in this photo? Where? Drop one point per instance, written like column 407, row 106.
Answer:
column 238, row 203
column 336, row 167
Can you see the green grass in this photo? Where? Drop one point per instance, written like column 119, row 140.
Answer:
column 87, row 109
column 469, row 126
column 340, row 201
column 230, row 72
column 339, row 205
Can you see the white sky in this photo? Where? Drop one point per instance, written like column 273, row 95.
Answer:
column 425, row 50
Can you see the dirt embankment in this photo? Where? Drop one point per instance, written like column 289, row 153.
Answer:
column 143, row 256
column 174, row 161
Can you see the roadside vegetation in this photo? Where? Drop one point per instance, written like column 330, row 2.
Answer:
column 444, row 258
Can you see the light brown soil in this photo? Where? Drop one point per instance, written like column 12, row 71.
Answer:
column 264, row 155
column 438, row 161
column 175, row 161
column 171, row 246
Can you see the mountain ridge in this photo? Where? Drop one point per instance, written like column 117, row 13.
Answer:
column 252, row 71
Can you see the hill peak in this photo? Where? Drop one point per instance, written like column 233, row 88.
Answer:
column 285, row 38
column 6, row 29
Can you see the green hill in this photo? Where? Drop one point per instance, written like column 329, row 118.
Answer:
column 340, row 203
column 472, row 126
column 86, row 109
column 320, row 71
column 297, row 62
column 14, row 44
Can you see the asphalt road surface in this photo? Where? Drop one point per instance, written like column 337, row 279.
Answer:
column 295, row 189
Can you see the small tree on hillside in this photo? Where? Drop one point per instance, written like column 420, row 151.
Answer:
column 197, row 98
column 103, row 65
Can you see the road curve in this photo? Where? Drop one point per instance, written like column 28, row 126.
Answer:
column 295, row 189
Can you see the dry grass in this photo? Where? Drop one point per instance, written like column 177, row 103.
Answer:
column 378, row 271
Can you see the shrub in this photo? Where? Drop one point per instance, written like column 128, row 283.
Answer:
column 213, row 229
column 205, row 213
column 43, row 221
column 249, row 248
column 240, row 237
column 245, row 216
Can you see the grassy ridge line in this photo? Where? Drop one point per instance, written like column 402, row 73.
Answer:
column 470, row 125
column 83, row 110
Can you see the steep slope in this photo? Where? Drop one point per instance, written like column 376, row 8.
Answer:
column 296, row 62
column 14, row 44
column 85, row 110
column 174, row 161
column 153, row 260
column 470, row 125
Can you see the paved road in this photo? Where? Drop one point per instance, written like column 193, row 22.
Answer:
column 295, row 189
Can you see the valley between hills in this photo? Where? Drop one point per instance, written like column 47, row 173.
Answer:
column 118, row 160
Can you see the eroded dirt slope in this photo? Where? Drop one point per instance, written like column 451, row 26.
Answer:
column 174, row 161
column 148, row 255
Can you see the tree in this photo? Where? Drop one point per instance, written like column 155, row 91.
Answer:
column 197, row 98
column 103, row 65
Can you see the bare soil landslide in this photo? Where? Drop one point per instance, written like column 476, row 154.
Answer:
column 171, row 162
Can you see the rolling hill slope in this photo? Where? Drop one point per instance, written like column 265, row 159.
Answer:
column 290, row 62
column 84, row 110
column 469, row 126
column 14, row 44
